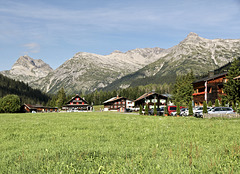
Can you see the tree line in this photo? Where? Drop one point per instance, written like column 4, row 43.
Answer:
column 26, row 93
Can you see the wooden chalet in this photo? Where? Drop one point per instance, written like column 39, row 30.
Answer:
column 38, row 108
column 151, row 98
column 118, row 104
column 77, row 104
column 209, row 88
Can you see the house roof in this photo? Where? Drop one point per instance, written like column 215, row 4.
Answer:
column 149, row 94
column 114, row 99
column 238, row 77
column 29, row 106
column 76, row 97
column 210, row 78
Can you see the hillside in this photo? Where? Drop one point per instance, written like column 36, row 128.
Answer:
column 26, row 93
column 193, row 53
column 27, row 69
column 86, row 72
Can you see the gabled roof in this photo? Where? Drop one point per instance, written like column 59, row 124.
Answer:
column 149, row 94
column 29, row 106
column 114, row 99
column 210, row 78
column 77, row 96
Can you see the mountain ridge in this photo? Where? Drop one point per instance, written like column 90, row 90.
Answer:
column 86, row 72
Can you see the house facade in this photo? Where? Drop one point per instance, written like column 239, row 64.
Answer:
column 151, row 98
column 118, row 104
column 37, row 108
column 209, row 88
column 77, row 104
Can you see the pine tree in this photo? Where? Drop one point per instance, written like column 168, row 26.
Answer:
column 155, row 109
column 205, row 107
column 216, row 103
column 210, row 104
column 61, row 98
column 183, row 88
column 190, row 108
column 166, row 110
column 140, row 110
column 146, row 109
column 232, row 87
column 178, row 108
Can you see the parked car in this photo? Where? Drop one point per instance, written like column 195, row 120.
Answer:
column 181, row 112
column 221, row 110
column 160, row 111
column 173, row 109
column 199, row 113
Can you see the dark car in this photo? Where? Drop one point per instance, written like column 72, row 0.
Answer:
column 160, row 111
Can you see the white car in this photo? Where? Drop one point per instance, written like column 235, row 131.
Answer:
column 221, row 110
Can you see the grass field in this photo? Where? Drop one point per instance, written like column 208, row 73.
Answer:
column 103, row 142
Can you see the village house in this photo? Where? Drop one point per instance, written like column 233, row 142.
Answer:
column 209, row 88
column 38, row 108
column 151, row 98
column 77, row 104
column 118, row 104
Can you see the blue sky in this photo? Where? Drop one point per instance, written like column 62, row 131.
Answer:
column 54, row 30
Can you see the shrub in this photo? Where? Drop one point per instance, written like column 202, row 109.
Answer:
column 146, row 109
column 140, row 110
column 166, row 110
column 205, row 107
column 155, row 109
column 216, row 103
column 10, row 104
column 210, row 103
column 190, row 108
column 178, row 108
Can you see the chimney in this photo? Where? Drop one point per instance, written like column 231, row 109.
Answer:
column 210, row 73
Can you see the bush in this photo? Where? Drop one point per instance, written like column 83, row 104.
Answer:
column 205, row 107
column 190, row 108
column 140, row 110
column 178, row 108
column 146, row 109
column 166, row 110
column 155, row 109
column 210, row 104
column 10, row 104
column 216, row 103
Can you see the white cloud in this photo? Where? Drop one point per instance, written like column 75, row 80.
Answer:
column 31, row 48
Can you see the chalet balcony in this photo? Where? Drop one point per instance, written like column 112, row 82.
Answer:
column 199, row 93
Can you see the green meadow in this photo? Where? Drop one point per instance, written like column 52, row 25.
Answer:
column 106, row 142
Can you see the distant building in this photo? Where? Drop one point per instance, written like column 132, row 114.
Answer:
column 151, row 98
column 209, row 88
column 38, row 108
column 77, row 104
column 118, row 104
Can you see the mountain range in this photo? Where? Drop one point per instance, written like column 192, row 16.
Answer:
column 86, row 72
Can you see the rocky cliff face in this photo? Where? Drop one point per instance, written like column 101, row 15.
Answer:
column 194, row 53
column 27, row 69
column 87, row 72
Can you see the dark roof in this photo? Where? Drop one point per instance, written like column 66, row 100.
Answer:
column 114, row 99
column 149, row 94
column 38, row 106
column 76, row 97
column 210, row 78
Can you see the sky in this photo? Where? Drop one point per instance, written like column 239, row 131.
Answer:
column 55, row 30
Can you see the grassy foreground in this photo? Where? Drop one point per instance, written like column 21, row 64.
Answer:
column 117, row 143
